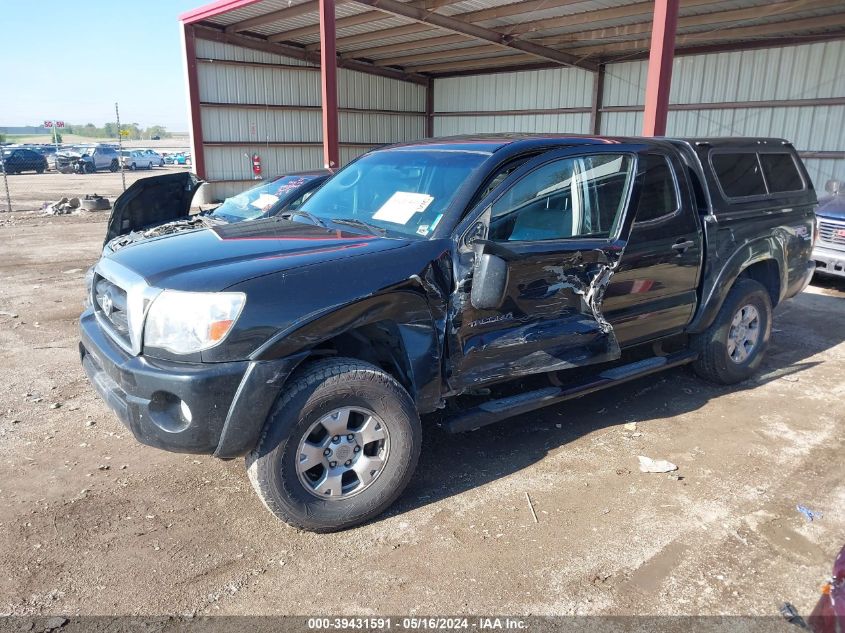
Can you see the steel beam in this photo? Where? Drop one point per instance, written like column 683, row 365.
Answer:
column 501, row 61
column 297, row 52
column 429, row 109
column 481, row 15
column 659, row 80
column 328, row 84
column 789, row 29
column 354, row 20
column 197, row 145
column 598, row 96
column 454, row 54
column 478, row 32
column 283, row 14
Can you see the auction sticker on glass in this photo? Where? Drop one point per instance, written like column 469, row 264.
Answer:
column 402, row 205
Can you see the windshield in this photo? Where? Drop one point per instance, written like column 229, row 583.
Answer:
column 403, row 191
column 255, row 202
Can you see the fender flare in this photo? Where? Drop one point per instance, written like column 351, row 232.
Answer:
column 407, row 309
column 715, row 290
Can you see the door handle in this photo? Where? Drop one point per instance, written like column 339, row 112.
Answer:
column 681, row 247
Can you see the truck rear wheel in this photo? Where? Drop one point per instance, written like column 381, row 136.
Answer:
column 338, row 448
column 732, row 348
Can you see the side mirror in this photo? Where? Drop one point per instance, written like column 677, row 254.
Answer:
column 833, row 186
column 489, row 281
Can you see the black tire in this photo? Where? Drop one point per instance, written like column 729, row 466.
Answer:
column 714, row 361
column 133, row 167
column 149, row 165
column 114, row 166
column 89, row 168
column 316, row 390
column 39, row 170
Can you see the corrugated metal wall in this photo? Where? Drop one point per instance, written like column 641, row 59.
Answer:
column 268, row 104
column 257, row 102
column 810, row 71
column 481, row 96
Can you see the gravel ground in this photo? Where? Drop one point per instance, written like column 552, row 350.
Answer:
column 29, row 191
column 92, row 523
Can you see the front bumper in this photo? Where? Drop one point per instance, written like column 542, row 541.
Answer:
column 211, row 408
column 829, row 261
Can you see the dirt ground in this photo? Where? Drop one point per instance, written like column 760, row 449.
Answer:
column 91, row 522
column 29, row 191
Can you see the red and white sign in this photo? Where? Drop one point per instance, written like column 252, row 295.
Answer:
column 60, row 123
column 48, row 124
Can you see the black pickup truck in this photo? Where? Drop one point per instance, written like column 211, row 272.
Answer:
column 471, row 278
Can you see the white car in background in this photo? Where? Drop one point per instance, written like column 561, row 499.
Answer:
column 135, row 159
column 157, row 159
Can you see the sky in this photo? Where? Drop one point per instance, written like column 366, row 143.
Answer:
column 72, row 61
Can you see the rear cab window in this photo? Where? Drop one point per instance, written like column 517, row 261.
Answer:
column 739, row 174
column 748, row 174
column 781, row 172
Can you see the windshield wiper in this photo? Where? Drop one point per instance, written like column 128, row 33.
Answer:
column 310, row 216
column 373, row 228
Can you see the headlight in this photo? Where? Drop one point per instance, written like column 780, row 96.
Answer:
column 89, row 283
column 186, row 322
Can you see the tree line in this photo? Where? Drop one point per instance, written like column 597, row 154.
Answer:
column 132, row 131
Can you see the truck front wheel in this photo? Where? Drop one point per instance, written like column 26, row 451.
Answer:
column 732, row 348
column 338, row 448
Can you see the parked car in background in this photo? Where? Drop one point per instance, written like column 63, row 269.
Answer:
column 158, row 206
column 480, row 278
column 18, row 159
column 179, row 158
column 135, row 159
column 156, row 158
column 99, row 157
column 829, row 251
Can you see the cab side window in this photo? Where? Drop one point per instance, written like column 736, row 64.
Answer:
column 659, row 191
column 573, row 197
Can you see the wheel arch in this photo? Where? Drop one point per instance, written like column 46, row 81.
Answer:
column 763, row 260
column 394, row 331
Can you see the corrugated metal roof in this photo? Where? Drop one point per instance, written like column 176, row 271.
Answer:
column 544, row 22
column 252, row 11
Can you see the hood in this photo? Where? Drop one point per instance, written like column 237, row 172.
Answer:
column 214, row 259
column 833, row 208
column 150, row 201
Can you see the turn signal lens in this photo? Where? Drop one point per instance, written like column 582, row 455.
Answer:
column 218, row 330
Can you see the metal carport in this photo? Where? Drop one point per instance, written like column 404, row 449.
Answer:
column 310, row 82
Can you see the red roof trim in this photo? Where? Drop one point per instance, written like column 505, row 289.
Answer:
column 214, row 8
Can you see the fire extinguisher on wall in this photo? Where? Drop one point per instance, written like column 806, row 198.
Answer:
column 256, row 167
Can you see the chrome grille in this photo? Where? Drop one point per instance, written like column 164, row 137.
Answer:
column 832, row 232
column 121, row 299
column 110, row 303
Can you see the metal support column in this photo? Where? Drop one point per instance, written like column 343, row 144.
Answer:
column 660, row 67
column 429, row 108
column 197, row 147
column 598, row 98
column 328, row 81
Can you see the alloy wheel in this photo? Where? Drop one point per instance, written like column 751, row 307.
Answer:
column 342, row 453
column 743, row 334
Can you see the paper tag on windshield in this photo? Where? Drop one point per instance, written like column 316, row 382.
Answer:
column 402, row 205
column 264, row 200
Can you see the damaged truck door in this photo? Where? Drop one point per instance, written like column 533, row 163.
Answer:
column 534, row 265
